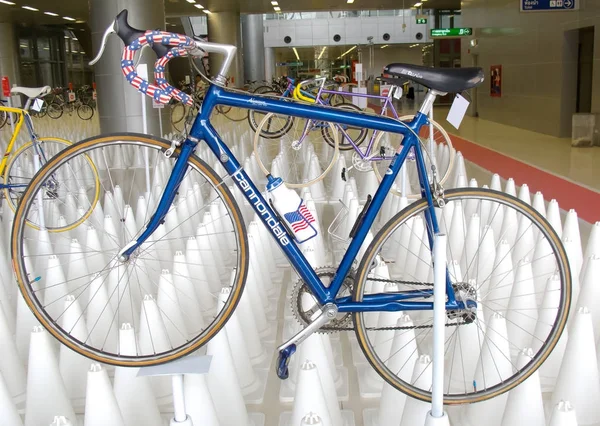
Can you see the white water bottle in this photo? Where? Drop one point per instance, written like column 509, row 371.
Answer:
column 292, row 210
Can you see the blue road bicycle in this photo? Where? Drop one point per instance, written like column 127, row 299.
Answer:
column 162, row 263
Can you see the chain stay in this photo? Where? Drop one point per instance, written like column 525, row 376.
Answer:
column 415, row 327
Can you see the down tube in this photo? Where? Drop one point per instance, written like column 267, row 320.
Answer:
column 266, row 214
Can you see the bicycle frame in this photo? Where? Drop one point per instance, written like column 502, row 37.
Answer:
column 202, row 130
column 24, row 117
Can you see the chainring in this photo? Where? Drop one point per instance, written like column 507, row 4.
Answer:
column 305, row 305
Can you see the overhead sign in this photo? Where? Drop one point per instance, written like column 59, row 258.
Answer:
column 547, row 5
column 451, row 32
column 421, row 19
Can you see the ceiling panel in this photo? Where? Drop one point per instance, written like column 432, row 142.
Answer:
column 79, row 10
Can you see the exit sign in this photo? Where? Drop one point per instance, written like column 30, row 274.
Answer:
column 421, row 19
column 451, row 32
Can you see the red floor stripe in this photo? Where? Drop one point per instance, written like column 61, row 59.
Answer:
column 569, row 195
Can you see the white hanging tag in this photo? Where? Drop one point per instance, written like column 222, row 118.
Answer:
column 398, row 92
column 457, row 110
column 72, row 96
column 37, row 105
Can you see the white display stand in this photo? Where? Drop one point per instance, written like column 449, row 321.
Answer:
column 437, row 417
column 176, row 369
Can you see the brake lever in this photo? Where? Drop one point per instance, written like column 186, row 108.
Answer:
column 110, row 30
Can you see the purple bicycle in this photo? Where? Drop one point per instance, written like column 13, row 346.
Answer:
column 304, row 151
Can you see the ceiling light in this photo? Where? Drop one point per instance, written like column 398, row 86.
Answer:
column 418, row 4
column 384, row 46
column 277, row 8
column 33, row 9
column 7, row 2
column 50, row 13
column 199, row 6
column 80, row 22
column 350, row 1
column 191, row 1
column 274, row 3
column 68, row 18
column 208, row 12
column 296, row 52
column 322, row 51
column 348, row 51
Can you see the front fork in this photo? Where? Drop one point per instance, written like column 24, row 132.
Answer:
column 157, row 219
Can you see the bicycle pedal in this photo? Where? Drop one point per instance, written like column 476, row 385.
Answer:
column 283, row 361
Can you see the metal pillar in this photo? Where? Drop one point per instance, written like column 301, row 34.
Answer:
column 8, row 53
column 253, row 40
column 269, row 63
column 119, row 104
column 225, row 27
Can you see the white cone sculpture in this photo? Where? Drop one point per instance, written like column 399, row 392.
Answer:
column 563, row 414
column 525, row 406
column 11, row 367
column 578, row 380
column 9, row 415
column 42, row 405
column 223, row 383
column 309, row 395
column 416, row 410
column 101, row 406
column 198, row 401
column 134, row 393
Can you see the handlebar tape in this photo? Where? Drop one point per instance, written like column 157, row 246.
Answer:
column 163, row 91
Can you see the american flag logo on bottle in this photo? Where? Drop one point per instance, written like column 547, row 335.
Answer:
column 299, row 219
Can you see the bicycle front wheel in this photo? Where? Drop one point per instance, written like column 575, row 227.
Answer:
column 79, row 190
column 502, row 255
column 172, row 295
column 300, row 156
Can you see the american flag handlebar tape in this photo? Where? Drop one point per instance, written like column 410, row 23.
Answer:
column 162, row 92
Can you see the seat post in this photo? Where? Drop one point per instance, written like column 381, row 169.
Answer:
column 429, row 100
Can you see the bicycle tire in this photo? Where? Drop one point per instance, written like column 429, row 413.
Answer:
column 3, row 118
column 345, row 145
column 85, row 112
column 442, row 179
column 327, row 162
column 98, row 352
column 10, row 177
column 256, row 117
column 452, row 396
column 262, row 89
column 54, row 110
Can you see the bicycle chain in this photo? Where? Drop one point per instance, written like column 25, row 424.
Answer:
column 390, row 328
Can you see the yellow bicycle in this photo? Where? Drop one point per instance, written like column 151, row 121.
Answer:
column 16, row 171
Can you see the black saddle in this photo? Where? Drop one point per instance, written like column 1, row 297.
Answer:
column 448, row 80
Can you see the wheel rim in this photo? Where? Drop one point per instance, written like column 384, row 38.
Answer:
column 444, row 157
column 168, row 309
column 464, row 367
column 301, row 158
column 20, row 170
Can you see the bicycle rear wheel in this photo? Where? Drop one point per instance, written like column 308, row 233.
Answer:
column 502, row 254
column 85, row 112
column 172, row 295
column 442, row 155
column 55, row 110
column 81, row 191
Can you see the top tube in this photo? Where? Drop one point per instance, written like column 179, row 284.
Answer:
column 217, row 95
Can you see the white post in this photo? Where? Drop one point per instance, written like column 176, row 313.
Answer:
column 179, row 415
column 437, row 416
